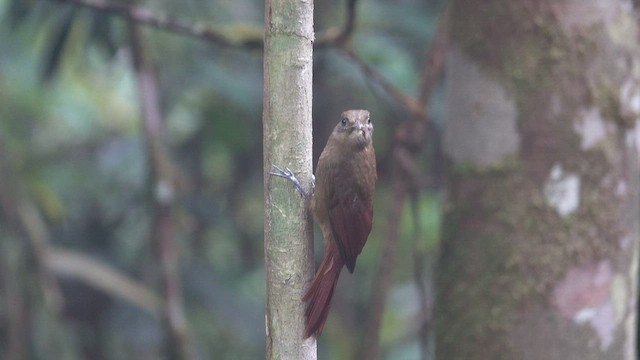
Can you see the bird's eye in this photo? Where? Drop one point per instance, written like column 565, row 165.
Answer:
column 369, row 121
column 344, row 121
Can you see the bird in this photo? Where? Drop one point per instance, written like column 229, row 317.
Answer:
column 342, row 204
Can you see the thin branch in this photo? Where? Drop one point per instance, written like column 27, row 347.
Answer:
column 405, row 100
column 34, row 226
column 14, row 307
column 384, row 274
column 432, row 67
column 164, row 184
column 434, row 60
column 340, row 38
column 409, row 139
column 252, row 39
column 54, row 262
column 422, row 271
column 25, row 218
column 102, row 277
column 145, row 16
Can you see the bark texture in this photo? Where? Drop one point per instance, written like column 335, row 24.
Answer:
column 539, row 256
column 287, row 143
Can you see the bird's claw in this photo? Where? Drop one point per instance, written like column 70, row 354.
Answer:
column 288, row 174
column 285, row 173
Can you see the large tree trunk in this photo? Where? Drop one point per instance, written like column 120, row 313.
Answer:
column 539, row 257
column 288, row 49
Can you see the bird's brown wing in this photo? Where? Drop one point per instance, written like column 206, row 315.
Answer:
column 351, row 220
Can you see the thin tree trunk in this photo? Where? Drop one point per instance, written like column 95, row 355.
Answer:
column 540, row 248
column 287, row 142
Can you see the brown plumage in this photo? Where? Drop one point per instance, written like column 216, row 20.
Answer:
column 342, row 206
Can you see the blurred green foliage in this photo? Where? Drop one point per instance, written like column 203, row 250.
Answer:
column 71, row 131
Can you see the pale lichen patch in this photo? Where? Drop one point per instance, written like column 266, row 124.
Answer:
column 604, row 324
column 562, row 191
column 621, row 188
column 630, row 97
column 626, row 242
column 592, row 128
column 592, row 295
column 582, row 288
column 481, row 116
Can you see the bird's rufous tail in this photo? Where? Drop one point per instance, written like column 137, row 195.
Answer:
column 319, row 295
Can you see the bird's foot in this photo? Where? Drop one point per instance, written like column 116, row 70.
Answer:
column 288, row 174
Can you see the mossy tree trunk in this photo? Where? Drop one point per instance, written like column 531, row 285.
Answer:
column 540, row 250
column 288, row 49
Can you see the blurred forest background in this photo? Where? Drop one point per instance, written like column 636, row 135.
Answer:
column 107, row 213
column 131, row 178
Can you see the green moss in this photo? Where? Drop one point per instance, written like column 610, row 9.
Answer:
column 529, row 48
column 504, row 248
column 608, row 97
column 475, row 282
